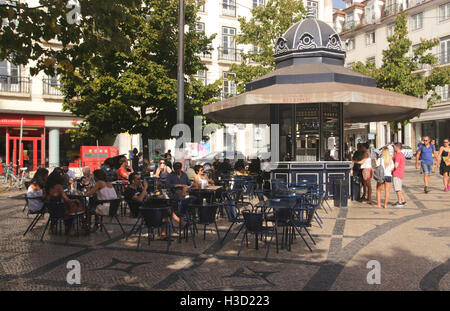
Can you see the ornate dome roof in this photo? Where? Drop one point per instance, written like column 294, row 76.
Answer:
column 309, row 35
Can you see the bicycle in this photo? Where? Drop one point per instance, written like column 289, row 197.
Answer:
column 10, row 180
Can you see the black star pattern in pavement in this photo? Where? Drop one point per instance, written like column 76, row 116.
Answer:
column 120, row 265
column 261, row 275
column 441, row 232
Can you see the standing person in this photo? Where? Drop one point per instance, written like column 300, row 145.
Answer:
column 426, row 153
column 135, row 160
column 26, row 160
column 357, row 157
column 156, row 160
column 388, row 165
column 444, row 159
column 168, row 158
column 367, row 173
column 140, row 161
column 399, row 174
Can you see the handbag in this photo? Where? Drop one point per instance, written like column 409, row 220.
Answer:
column 446, row 160
column 378, row 174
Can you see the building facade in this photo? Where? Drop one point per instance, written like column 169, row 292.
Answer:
column 364, row 27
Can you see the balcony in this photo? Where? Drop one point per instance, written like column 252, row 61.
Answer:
column 392, row 9
column 51, row 87
column 230, row 54
column 15, row 85
column 204, row 55
column 228, row 9
column 348, row 26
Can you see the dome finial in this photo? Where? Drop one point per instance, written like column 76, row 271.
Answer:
column 310, row 13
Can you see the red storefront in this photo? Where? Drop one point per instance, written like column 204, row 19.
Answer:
column 33, row 140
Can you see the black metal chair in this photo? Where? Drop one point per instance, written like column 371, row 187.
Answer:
column 155, row 218
column 248, row 191
column 38, row 214
column 120, row 190
column 302, row 220
column 57, row 216
column 114, row 206
column 206, row 215
column 254, row 224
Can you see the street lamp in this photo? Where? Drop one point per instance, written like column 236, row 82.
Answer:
column 180, row 78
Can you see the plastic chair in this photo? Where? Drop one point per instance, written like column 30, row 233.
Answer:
column 253, row 223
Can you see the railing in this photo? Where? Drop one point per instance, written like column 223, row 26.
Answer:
column 15, row 84
column 51, row 88
column 230, row 54
column 228, row 9
column 392, row 9
column 204, row 55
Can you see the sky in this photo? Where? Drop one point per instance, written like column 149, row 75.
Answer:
column 338, row 4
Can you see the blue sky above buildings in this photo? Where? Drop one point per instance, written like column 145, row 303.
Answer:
column 338, row 4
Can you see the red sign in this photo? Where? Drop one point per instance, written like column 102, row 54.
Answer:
column 92, row 156
column 296, row 99
column 28, row 120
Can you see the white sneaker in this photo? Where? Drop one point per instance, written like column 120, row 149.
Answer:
column 398, row 204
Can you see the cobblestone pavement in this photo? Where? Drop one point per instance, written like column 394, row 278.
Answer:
column 412, row 245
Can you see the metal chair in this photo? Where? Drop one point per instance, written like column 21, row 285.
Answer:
column 253, row 223
column 113, row 209
column 155, row 218
column 206, row 215
column 38, row 214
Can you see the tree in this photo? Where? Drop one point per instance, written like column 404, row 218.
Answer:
column 398, row 73
column 267, row 24
column 118, row 65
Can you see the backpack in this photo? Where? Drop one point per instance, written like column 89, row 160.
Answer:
column 378, row 174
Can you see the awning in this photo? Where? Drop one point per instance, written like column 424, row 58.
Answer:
column 361, row 103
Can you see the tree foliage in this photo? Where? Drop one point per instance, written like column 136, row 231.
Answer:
column 262, row 30
column 117, row 66
column 400, row 70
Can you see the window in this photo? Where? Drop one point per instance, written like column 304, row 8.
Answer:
column 371, row 60
column 258, row 3
column 229, row 8
column 444, row 92
column 350, row 21
column 201, row 8
column 444, row 11
column 228, row 41
column 200, row 27
column 417, row 21
column 202, row 76
column 350, row 44
column 229, row 86
column 415, row 46
column 390, row 30
column 444, row 51
column 9, row 75
column 370, row 38
column 313, row 6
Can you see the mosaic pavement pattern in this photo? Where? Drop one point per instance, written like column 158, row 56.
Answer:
column 412, row 245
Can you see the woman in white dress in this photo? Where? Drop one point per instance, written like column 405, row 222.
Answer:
column 105, row 191
column 201, row 181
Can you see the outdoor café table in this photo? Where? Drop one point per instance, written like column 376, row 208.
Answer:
column 208, row 192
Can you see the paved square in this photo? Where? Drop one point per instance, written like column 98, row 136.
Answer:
column 412, row 244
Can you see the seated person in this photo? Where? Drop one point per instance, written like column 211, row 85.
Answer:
column 201, row 181
column 135, row 193
column 163, row 172
column 86, row 181
column 36, row 190
column 67, row 171
column 239, row 167
column 54, row 192
column 104, row 191
column 108, row 168
column 123, row 173
column 224, row 168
